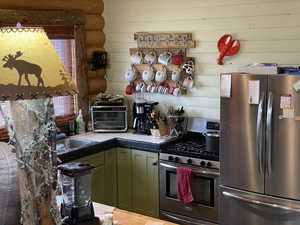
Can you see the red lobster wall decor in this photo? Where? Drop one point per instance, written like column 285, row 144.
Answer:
column 227, row 47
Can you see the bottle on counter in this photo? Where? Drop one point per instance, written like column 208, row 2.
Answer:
column 80, row 124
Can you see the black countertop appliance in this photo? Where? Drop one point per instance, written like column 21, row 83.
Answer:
column 142, row 116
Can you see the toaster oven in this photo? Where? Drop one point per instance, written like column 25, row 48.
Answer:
column 109, row 118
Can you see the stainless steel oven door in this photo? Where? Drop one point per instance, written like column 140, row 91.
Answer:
column 204, row 187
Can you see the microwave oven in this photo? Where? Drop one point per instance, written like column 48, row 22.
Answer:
column 109, row 118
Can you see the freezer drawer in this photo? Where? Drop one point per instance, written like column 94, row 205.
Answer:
column 247, row 208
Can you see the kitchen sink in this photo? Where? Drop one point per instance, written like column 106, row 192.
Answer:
column 70, row 144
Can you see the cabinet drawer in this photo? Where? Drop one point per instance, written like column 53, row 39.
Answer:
column 94, row 159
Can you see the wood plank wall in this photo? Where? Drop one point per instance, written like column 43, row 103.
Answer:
column 269, row 31
column 95, row 37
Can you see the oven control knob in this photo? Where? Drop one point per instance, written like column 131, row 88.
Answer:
column 209, row 164
column 189, row 161
column 176, row 159
column 202, row 163
column 171, row 158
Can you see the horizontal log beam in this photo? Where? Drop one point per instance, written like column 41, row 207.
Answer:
column 42, row 17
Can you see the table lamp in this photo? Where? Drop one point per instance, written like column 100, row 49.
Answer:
column 31, row 72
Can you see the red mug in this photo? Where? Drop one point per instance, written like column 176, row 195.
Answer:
column 177, row 59
column 129, row 89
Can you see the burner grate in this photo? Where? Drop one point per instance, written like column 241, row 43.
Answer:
column 191, row 148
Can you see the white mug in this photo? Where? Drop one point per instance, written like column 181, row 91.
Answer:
column 130, row 75
column 161, row 75
column 165, row 58
column 150, row 58
column 177, row 92
column 188, row 82
column 176, row 75
column 148, row 75
column 137, row 58
column 138, row 87
column 143, row 87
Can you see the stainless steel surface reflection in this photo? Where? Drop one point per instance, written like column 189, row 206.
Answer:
column 70, row 144
column 239, row 153
column 284, row 180
column 260, row 148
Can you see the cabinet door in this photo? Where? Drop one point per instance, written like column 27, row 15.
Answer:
column 110, row 178
column 98, row 193
column 145, row 199
column 124, row 178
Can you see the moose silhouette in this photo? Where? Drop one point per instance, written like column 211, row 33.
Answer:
column 23, row 67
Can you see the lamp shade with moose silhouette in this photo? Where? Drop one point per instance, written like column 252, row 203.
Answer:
column 30, row 67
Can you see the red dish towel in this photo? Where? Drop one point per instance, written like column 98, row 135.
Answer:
column 184, row 184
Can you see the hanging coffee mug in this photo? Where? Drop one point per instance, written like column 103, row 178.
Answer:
column 177, row 59
column 129, row 89
column 161, row 75
column 150, row 58
column 188, row 82
column 148, row 75
column 131, row 74
column 165, row 58
column 189, row 67
column 176, row 75
column 177, row 92
column 143, row 87
column 137, row 58
column 149, row 87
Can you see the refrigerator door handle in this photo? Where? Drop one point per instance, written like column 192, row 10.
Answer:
column 259, row 132
column 269, row 134
column 259, row 203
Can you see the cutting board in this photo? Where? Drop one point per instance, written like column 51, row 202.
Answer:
column 128, row 218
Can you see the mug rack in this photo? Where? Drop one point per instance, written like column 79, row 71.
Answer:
column 164, row 40
column 175, row 44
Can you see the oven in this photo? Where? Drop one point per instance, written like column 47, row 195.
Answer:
column 109, row 118
column 204, row 208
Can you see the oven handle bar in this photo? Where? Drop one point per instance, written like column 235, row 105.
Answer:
column 178, row 220
column 195, row 171
column 260, row 203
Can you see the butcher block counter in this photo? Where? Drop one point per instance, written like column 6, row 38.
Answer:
column 127, row 218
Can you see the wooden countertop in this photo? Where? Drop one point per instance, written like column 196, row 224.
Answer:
column 127, row 218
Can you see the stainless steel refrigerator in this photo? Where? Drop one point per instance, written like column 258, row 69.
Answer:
column 260, row 152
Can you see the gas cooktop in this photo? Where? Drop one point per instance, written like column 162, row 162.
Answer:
column 190, row 145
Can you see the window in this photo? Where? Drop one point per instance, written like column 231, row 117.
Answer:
column 64, row 105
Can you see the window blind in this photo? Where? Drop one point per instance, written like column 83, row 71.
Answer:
column 64, row 105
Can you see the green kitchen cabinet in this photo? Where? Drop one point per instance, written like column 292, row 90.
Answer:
column 138, row 181
column 145, row 183
column 98, row 174
column 124, row 178
column 110, row 178
column 104, row 176
column 127, row 179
